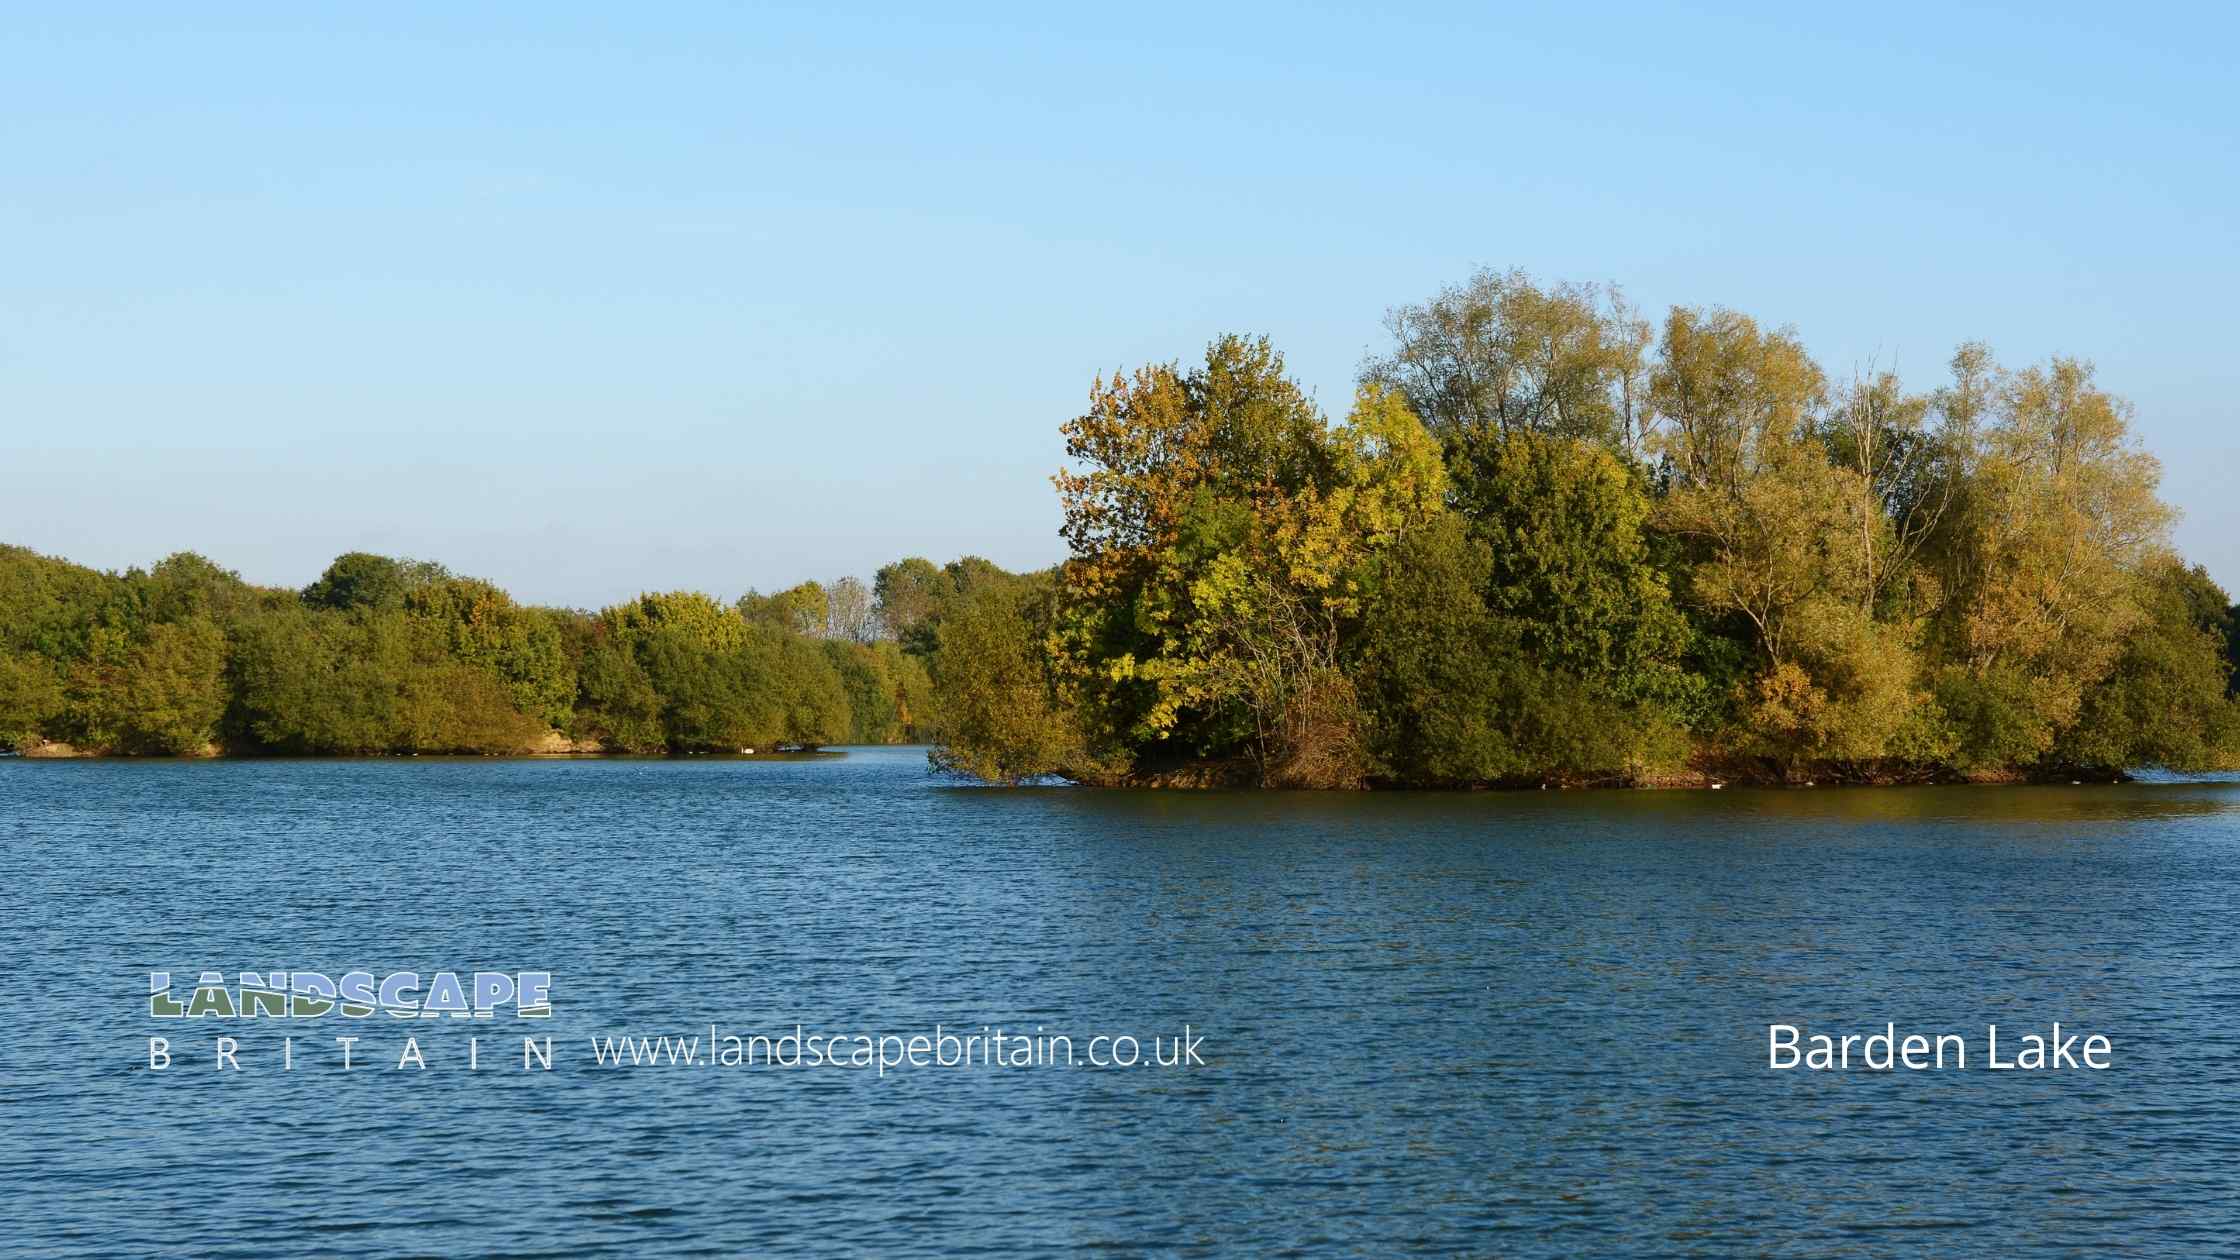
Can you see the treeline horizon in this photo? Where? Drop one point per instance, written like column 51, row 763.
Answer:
column 1551, row 542
column 382, row 655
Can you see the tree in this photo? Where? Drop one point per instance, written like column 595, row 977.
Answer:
column 909, row 596
column 292, row 689
column 1570, row 570
column 1728, row 396
column 1795, row 544
column 1533, row 549
column 1772, row 545
column 849, row 613
column 690, row 615
column 812, row 698
column 163, row 695
column 1911, row 468
column 1281, row 607
column 1849, row 690
column 2211, row 611
column 1456, row 700
column 30, row 699
column 313, row 681
column 184, row 585
column 1437, row 713
column 724, row 680
column 2167, row 701
column 1499, row 353
column 616, row 704
column 360, row 579
column 871, row 693
column 49, row 607
column 177, row 692
column 912, row 686
column 481, row 626
column 446, row 705
column 2056, row 522
column 967, row 575
column 1222, row 537
column 1174, row 466
column 1001, row 712
column 803, row 609
column 1759, row 501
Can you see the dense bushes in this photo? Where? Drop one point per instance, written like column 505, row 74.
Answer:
column 386, row 656
column 365, row 681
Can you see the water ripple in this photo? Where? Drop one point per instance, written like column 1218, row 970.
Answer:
column 1439, row 1024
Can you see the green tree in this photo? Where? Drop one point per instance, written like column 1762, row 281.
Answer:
column 617, row 704
column 1280, row 606
column 49, row 607
column 724, row 680
column 813, row 700
column 163, row 695
column 185, row 585
column 360, row 579
column 1000, row 711
column 2167, row 702
column 873, row 715
column 1222, row 538
column 804, row 609
column 1500, row 354
column 909, row 596
column 1571, row 572
column 690, row 615
column 30, row 699
column 308, row 680
column 1456, row 699
column 2042, row 565
column 481, row 626
column 912, row 687
column 1788, row 540
column 291, row 694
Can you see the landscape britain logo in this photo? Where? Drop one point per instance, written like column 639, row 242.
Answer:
column 354, row 995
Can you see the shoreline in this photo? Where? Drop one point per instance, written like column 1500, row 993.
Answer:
column 1201, row 778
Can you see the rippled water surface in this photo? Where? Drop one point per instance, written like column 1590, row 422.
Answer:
column 1478, row 1024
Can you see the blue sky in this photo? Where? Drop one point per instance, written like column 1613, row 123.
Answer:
column 590, row 300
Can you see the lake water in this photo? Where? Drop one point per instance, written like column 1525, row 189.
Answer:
column 1526, row 1024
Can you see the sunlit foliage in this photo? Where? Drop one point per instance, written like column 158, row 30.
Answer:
column 1550, row 543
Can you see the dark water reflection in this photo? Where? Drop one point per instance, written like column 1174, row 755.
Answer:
column 1479, row 1024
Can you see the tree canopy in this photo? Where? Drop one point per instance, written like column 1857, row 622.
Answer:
column 381, row 655
column 1549, row 540
column 1554, row 541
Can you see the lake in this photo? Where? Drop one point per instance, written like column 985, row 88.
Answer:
column 1510, row 1023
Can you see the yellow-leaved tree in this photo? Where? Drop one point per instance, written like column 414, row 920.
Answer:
column 1223, row 540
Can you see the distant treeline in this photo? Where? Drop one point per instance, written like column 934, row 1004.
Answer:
column 381, row 655
column 1553, row 542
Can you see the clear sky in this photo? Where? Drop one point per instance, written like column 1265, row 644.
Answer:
column 594, row 299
